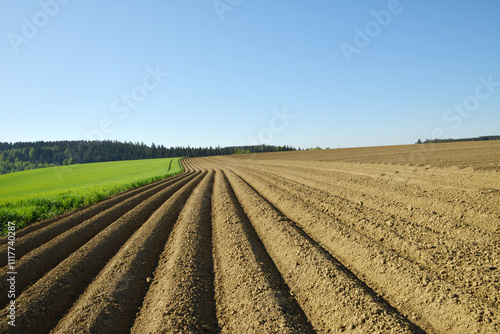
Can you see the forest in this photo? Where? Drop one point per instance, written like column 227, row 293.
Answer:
column 21, row 156
column 450, row 140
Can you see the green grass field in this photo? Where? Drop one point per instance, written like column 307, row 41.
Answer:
column 33, row 195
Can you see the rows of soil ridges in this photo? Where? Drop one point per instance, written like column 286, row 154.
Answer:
column 478, row 155
column 281, row 245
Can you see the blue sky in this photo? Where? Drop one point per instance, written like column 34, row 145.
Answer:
column 230, row 72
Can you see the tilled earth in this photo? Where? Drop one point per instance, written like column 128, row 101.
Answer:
column 279, row 244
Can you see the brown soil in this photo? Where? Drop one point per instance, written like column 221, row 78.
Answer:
column 356, row 240
column 482, row 155
column 251, row 294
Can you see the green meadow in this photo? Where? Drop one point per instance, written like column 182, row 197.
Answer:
column 30, row 196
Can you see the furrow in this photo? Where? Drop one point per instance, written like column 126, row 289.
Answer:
column 434, row 304
column 331, row 297
column 252, row 296
column 35, row 264
column 111, row 301
column 181, row 296
column 187, row 163
column 44, row 302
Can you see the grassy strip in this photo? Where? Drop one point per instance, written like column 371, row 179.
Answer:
column 80, row 186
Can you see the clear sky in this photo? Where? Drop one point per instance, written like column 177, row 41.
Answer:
column 228, row 72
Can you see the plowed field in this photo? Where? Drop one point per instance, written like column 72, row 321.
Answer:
column 300, row 242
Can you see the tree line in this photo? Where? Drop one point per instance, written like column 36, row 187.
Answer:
column 450, row 140
column 30, row 155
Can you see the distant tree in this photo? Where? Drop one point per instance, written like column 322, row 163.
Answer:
column 33, row 154
column 451, row 140
column 419, row 141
